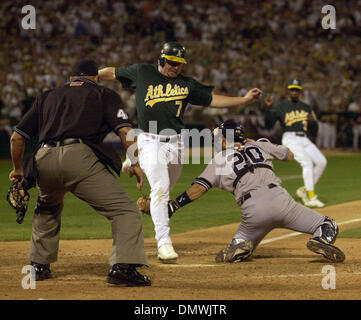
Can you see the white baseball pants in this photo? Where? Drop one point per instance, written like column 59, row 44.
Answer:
column 311, row 159
column 161, row 159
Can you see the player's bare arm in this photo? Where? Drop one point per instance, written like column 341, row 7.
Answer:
column 127, row 143
column 107, row 74
column 220, row 101
column 17, row 146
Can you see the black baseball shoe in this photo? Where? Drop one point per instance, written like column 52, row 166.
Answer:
column 329, row 251
column 127, row 275
column 236, row 252
column 42, row 271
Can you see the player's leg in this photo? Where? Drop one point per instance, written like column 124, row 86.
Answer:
column 319, row 160
column 296, row 145
column 323, row 230
column 257, row 221
column 323, row 239
column 153, row 159
column 175, row 163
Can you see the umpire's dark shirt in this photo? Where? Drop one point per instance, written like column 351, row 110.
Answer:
column 79, row 109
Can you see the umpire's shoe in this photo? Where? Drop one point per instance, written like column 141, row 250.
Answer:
column 236, row 252
column 329, row 251
column 42, row 271
column 127, row 275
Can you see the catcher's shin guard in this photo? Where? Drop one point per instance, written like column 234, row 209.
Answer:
column 236, row 252
column 323, row 244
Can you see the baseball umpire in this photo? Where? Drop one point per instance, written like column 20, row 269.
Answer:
column 244, row 167
column 70, row 122
column 295, row 117
column 162, row 94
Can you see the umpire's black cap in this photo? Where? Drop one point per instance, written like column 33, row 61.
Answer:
column 85, row 68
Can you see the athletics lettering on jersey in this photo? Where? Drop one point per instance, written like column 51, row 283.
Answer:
column 156, row 94
column 295, row 116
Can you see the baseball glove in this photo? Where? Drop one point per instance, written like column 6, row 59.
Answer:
column 143, row 204
column 18, row 198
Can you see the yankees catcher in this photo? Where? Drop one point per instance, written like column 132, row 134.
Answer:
column 245, row 168
column 162, row 94
column 295, row 117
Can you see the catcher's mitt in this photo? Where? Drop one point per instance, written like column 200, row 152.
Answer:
column 143, row 204
column 18, row 198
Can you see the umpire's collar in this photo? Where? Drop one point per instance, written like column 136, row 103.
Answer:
column 82, row 79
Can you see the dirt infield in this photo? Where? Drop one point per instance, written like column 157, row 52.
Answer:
column 280, row 269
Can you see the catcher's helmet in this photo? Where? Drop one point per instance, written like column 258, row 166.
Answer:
column 172, row 51
column 229, row 129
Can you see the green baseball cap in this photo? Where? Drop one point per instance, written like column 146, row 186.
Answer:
column 295, row 84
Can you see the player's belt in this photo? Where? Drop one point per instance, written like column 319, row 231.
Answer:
column 248, row 195
column 172, row 138
column 244, row 170
column 65, row 142
column 298, row 133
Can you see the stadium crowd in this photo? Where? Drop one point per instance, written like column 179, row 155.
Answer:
column 233, row 45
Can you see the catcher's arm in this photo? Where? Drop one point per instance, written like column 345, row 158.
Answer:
column 194, row 192
column 17, row 146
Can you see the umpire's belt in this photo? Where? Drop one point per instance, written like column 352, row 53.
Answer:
column 65, row 142
column 248, row 195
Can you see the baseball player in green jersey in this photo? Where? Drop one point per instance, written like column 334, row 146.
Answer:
column 295, row 117
column 162, row 94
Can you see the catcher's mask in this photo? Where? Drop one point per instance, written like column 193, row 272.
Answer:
column 18, row 198
column 172, row 51
column 231, row 130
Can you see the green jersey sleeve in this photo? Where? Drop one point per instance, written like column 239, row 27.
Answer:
column 200, row 94
column 127, row 75
column 271, row 116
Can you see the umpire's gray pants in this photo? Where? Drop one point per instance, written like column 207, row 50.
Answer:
column 268, row 209
column 75, row 168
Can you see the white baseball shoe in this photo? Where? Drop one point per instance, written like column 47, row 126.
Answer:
column 166, row 253
column 314, row 203
column 302, row 194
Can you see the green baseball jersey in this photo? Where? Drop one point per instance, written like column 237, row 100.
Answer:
column 292, row 115
column 162, row 99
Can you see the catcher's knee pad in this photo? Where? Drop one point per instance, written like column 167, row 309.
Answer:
column 329, row 230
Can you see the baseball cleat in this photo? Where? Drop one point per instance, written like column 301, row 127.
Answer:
column 235, row 253
column 329, row 251
column 314, row 203
column 302, row 194
column 127, row 275
column 166, row 253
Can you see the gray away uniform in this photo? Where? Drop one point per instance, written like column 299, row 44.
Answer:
column 265, row 204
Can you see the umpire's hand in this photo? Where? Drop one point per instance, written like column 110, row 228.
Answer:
column 16, row 175
column 137, row 171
